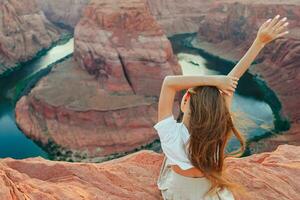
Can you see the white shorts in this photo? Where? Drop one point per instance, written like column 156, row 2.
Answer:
column 174, row 186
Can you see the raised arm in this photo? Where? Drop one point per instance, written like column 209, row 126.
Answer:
column 269, row 31
column 172, row 84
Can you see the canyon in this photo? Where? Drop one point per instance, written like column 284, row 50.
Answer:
column 105, row 106
column 116, row 48
column 278, row 64
column 24, row 32
column 101, row 103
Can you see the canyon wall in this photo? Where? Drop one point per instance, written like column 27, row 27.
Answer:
column 24, row 31
column 265, row 176
column 124, row 47
column 125, row 50
column 66, row 13
column 228, row 29
column 178, row 16
column 104, row 102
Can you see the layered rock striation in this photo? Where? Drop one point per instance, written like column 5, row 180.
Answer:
column 65, row 13
column 265, row 176
column 228, row 29
column 104, row 102
column 24, row 31
column 124, row 47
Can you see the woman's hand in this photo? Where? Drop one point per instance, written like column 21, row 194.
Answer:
column 272, row 29
column 226, row 84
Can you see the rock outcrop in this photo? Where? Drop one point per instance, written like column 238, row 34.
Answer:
column 228, row 29
column 179, row 16
column 265, row 176
column 66, row 13
column 24, row 31
column 124, row 47
column 107, row 104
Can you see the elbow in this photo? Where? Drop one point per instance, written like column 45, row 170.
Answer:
column 167, row 81
column 171, row 82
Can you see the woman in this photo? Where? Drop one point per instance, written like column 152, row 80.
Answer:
column 194, row 149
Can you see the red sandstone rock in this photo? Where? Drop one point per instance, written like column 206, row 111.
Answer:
column 228, row 29
column 66, row 12
column 82, row 118
column 24, row 31
column 113, row 111
column 266, row 176
column 122, row 45
column 179, row 16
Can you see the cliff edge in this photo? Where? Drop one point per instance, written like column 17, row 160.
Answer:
column 272, row 175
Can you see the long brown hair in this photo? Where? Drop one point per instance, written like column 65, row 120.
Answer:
column 210, row 127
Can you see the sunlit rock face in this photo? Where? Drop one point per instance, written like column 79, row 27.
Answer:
column 104, row 102
column 24, row 31
column 122, row 45
column 265, row 176
column 65, row 13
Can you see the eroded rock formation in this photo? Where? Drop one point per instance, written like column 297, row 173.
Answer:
column 228, row 29
column 67, row 12
column 124, row 47
column 179, row 16
column 24, row 31
column 105, row 102
column 265, row 176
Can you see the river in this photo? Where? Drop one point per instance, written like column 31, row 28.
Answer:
column 256, row 116
column 13, row 143
column 251, row 102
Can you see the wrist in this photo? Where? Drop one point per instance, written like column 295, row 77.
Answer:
column 258, row 43
column 216, row 81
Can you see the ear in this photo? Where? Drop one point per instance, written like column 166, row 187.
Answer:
column 184, row 102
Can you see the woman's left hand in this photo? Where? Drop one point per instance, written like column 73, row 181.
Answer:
column 272, row 29
column 226, row 84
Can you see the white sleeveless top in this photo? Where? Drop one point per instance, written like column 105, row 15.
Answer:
column 173, row 137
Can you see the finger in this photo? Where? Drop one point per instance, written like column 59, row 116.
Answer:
column 231, row 89
column 266, row 23
column 281, row 28
column 229, row 92
column 280, row 23
column 273, row 21
column 226, row 92
column 234, row 78
column 234, row 83
column 281, row 34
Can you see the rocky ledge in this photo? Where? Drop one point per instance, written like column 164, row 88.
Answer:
column 272, row 175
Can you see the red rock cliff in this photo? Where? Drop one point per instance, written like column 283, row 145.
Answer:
column 265, row 176
column 124, row 47
column 24, row 31
column 106, row 102
column 227, row 30
column 66, row 12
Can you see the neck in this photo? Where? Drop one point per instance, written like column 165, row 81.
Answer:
column 185, row 121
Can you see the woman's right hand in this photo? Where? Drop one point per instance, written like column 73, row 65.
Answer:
column 226, row 84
